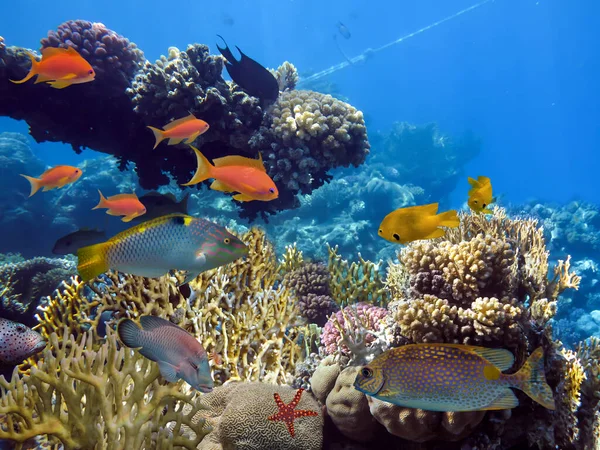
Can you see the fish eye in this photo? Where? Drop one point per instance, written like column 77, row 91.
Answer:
column 475, row 201
column 484, row 205
column 380, row 231
column 396, row 236
column 366, row 372
column 194, row 365
column 20, row 328
column 91, row 72
column 226, row 240
column 272, row 191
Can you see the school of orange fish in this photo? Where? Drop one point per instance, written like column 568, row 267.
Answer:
column 411, row 375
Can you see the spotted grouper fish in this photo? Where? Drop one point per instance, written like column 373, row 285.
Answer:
column 153, row 248
column 178, row 354
column 453, row 377
column 18, row 342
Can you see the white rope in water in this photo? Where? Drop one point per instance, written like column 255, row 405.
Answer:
column 370, row 52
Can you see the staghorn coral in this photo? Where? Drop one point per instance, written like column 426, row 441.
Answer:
column 357, row 281
column 310, row 284
column 110, row 398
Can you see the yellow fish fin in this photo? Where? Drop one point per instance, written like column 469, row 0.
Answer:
column 175, row 141
column 506, row 400
column 242, row 198
column 448, row 219
column 110, row 212
column 179, row 122
column 48, row 188
column 531, row 379
column 235, row 160
column 35, row 183
column 49, row 52
column 60, row 84
column 42, row 78
column 473, row 182
column 436, row 234
column 220, row 186
column 192, row 138
column 69, row 76
column 430, row 209
column 62, row 182
column 92, row 261
column 483, row 180
column 501, row 358
column 130, row 217
column 204, row 169
column 122, row 196
column 487, row 211
column 159, row 136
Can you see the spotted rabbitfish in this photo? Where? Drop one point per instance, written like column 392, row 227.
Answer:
column 153, row 248
column 453, row 377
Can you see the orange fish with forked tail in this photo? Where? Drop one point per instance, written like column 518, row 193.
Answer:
column 53, row 178
column 236, row 174
column 188, row 128
column 59, row 67
column 127, row 205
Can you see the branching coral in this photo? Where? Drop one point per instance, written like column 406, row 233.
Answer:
column 287, row 76
column 110, row 398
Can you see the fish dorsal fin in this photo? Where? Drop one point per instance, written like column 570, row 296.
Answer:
column 431, row 208
column 122, row 196
column 179, row 122
column 50, row 52
column 473, row 182
column 506, row 400
column 236, row 160
column 500, row 357
column 483, row 180
column 150, row 323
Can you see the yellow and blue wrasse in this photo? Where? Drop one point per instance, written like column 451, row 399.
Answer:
column 453, row 377
column 480, row 195
column 153, row 248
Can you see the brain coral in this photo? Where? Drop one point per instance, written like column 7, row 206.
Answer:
column 110, row 54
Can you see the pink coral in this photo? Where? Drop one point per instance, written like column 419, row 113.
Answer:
column 360, row 320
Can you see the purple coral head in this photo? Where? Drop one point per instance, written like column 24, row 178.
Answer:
column 111, row 55
column 370, row 318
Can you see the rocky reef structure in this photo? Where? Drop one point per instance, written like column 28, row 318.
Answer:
column 111, row 114
column 487, row 282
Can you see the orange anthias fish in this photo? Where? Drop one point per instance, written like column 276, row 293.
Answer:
column 60, row 67
column 409, row 224
column 236, row 174
column 127, row 205
column 188, row 128
column 453, row 377
column 480, row 195
column 55, row 177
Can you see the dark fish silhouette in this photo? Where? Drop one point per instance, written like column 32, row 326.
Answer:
column 80, row 238
column 158, row 205
column 250, row 75
column 344, row 31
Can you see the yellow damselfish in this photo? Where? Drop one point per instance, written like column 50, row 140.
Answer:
column 480, row 195
column 453, row 377
column 409, row 224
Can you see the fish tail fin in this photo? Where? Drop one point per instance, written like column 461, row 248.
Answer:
column 32, row 72
column 36, row 183
column 92, row 261
column 102, row 202
column 159, row 135
column 129, row 333
column 534, row 380
column 448, row 219
column 204, row 170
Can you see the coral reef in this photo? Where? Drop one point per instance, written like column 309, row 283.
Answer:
column 286, row 76
column 111, row 55
column 83, row 398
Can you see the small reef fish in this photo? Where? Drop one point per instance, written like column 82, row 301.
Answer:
column 343, row 30
column 236, row 174
column 70, row 243
column 53, row 178
column 18, row 342
column 153, row 248
column 480, row 195
column 453, row 377
column 250, row 75
column 59, row 67
column 127, row 205
column 158, row 205
column 178, row 354
column 188, row 128
column 409, row 224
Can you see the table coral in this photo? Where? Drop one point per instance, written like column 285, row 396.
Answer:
column 111, row 397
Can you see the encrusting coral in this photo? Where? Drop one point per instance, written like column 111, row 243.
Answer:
column 110, row 398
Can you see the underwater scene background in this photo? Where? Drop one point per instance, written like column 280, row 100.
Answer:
column 281, row 234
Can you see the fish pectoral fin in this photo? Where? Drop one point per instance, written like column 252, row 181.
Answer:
column 220, row 186
column 192, row 138
column 506, row 400
column 62, row 182
column 242, row 198
column 436, row 234
column 189, row 276
column 110, row 212
column 168, row 371
column 487, row 211
column 69, row 76
column 175, row 141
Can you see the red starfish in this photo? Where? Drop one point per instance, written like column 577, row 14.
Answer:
column 287, row 413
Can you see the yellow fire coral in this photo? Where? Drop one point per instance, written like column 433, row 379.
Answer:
column 110, row 398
